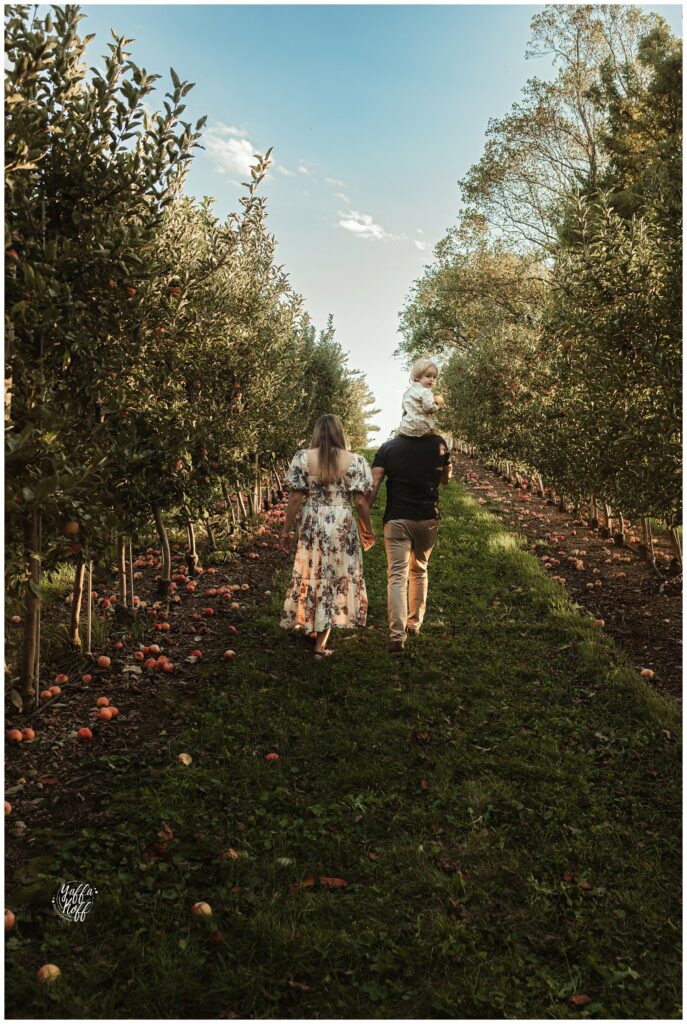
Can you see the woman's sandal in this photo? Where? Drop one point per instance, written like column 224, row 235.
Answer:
column 319, row 655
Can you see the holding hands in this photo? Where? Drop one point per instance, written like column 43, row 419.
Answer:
column 367, row 537
column 440, row 401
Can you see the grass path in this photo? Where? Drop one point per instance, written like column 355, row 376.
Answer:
column 503, row 804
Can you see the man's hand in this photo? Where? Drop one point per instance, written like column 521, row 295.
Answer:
column 440, row 401
column 367, row 538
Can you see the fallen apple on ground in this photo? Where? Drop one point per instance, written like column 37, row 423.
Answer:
column 48, row 973
column 201, row 910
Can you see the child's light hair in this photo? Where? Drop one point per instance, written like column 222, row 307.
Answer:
column 419, row 367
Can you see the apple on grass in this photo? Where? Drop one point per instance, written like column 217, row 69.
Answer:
column 48, row 973
column 201, row 910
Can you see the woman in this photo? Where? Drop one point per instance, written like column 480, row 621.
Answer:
column 327, row 587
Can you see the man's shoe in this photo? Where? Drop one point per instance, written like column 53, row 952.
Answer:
column 396, row 647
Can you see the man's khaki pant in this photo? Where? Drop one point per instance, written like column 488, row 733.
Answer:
column 408, row 544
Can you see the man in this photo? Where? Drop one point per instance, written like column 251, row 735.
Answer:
column 414, row 468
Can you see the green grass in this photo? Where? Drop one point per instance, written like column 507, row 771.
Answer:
column 541, row 861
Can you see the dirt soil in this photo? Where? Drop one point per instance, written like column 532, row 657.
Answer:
column 641, row 604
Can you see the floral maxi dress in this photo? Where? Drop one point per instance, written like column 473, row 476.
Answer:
column 327, row 586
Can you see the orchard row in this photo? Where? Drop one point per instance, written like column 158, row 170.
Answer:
column 554, row 307
column 158, row 362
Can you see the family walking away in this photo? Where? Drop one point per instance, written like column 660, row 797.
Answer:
column 327, row 586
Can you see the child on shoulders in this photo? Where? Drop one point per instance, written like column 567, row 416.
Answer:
column 419, row 401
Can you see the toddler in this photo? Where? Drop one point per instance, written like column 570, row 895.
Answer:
column 419, row 402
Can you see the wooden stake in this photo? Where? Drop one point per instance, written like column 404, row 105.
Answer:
column 131, row 574
column 121, row 556
column 89, row 607
column 77, row 597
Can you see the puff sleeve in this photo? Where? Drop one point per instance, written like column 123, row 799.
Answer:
column 361, row 476
column 297, row 477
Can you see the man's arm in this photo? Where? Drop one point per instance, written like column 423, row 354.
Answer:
column 447, row 473
column 377, row 477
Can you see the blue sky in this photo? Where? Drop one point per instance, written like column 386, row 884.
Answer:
column 374, row 112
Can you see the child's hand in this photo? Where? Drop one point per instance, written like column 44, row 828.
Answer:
column 439, row 401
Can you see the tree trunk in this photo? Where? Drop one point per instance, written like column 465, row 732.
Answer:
column 192, row 555
column 280, row 487
column 647, row 546
column 675, row 544
column 212, row 543
column 32, row 610
column 77, row 597
column 165, row 582
column 89, row 608
column 243, row 514
column 229, row 515
column 619, row 537
column 121, row 558
column 594, row 513
column 605, row 530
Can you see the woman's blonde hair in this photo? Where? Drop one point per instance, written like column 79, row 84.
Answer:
column 419, row 367
column 329, row 437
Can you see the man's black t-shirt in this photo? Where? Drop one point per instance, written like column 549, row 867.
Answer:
column 413, row 468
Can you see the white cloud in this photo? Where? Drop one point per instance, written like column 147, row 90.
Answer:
column 334, row 181
column 231, row 149
column 340, row 195
column 363, row 226
column 302, row 168
column 422, row 246
column 419, row 231
column 285, row 171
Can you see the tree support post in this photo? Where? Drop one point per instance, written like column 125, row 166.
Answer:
column 77, row 597
column 32, row 610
